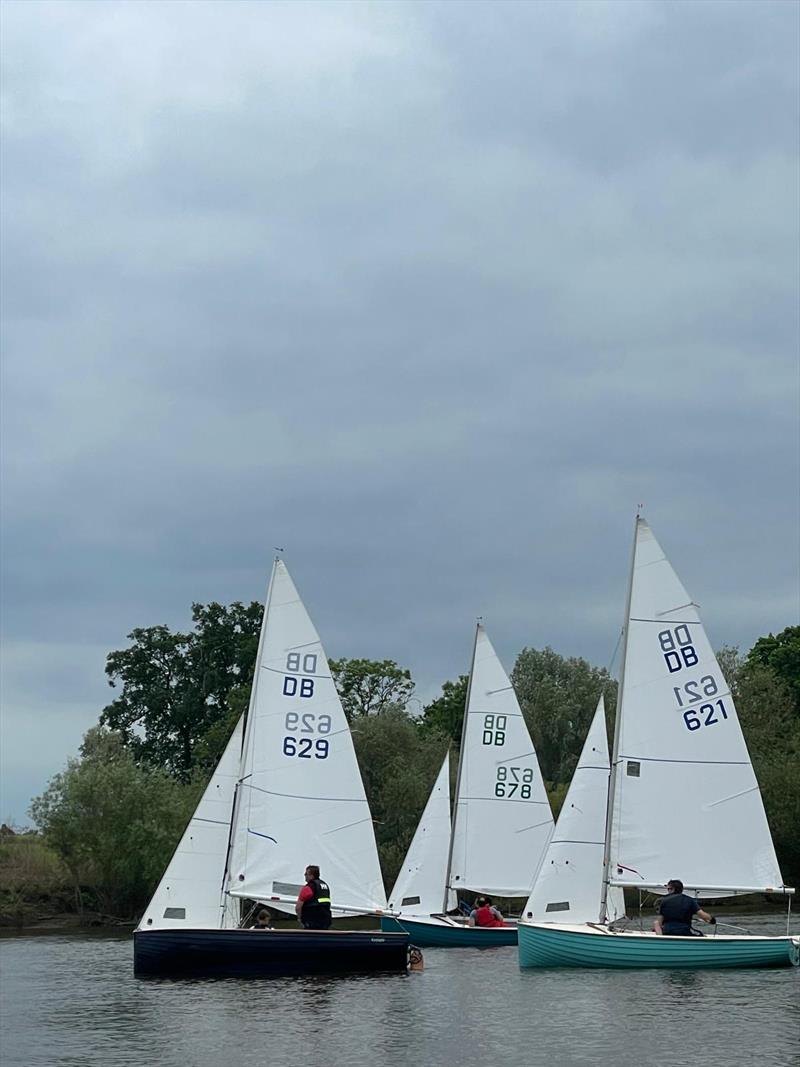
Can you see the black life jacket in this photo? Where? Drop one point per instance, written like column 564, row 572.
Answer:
column 318, row 910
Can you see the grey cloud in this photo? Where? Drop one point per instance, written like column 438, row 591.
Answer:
column 433, row 295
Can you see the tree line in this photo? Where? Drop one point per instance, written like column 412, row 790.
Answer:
column 116, row 812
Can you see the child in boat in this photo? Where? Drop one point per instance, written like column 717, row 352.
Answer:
column 485, row 914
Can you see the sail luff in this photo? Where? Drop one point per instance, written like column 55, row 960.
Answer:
column 447, row 887
column 246, row 744
column 612, row 778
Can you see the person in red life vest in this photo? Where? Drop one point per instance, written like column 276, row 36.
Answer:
column 313, row 905
column 485, row 914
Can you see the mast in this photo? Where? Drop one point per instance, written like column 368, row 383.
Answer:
column 458, row 775
column 612, row 780
column 246, row 739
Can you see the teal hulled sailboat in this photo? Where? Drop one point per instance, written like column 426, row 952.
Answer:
column 683, row 801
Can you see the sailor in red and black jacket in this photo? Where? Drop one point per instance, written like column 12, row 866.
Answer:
column 313, row 905
column 485, row 914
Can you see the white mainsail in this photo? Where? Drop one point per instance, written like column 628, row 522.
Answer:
column 188, row 894
column 502, row 821
column 418, row 889
column 301, row 799
column 569, row 883
column 685, row 800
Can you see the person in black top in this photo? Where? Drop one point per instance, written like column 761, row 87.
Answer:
column 676, row 911
column 262, row 921
column 313, row 905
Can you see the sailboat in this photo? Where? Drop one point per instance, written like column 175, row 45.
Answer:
column 683, row 799
column 568, row 887
column 501, row 822
column 287, row 792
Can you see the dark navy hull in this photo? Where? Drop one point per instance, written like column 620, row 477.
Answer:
column 261, row 953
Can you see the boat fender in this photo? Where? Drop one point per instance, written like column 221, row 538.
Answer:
column 415, row 960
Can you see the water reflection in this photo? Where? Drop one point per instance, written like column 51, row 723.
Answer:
column 73, row 1001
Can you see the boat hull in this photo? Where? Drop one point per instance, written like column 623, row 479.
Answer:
column 264, row 953
column 550, row 945
column 430, row 933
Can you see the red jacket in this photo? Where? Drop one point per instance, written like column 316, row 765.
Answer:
column 484, row 916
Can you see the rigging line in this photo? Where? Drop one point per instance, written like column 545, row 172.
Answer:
column 502, row 689
column 510, row 759
column 347, row 826
column 669, row 611
column 734, row 796
column 490, row 711
column 293, row 674
column 574, row 841
column 216, row 822
column 696, row 762
column 536, row 825
column 302, row 796
column 614, row 653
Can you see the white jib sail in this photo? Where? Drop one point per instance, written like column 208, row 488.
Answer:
column 419, row 886
column 301, row 799
column 502, row 820
column 686, row 801
column 569, row 883
column 188, row 895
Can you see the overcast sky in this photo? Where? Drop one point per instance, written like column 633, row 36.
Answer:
column 431, row 294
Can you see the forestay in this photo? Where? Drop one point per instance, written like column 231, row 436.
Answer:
column 418, row 889
column 502, row 819
column 189, row 892
column 686, row 802
column 568, row 886
column 301, row 798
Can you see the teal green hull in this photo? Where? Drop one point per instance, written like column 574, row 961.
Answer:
column 433, row 935
column 542, row 945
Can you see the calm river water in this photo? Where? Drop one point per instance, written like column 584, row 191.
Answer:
column 73, row 1000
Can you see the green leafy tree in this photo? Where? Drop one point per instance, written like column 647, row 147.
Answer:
column 771, row 727
column 180, row 692
column 398, row 767
column 370, row 687
column 445, row 715
column 113, row 822
column 558, row 696
column 781, row 654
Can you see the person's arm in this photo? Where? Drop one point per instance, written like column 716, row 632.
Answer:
column 705, row 916
column 471, row 919
column 497, row 915
column 305, row 894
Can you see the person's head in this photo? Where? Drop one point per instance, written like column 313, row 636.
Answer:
column 263, row 916
column 674, row 885
column 312, row 872
column 481, row 902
